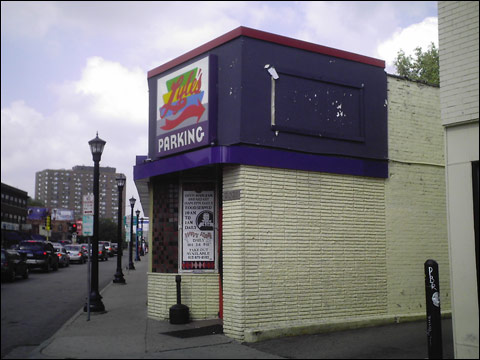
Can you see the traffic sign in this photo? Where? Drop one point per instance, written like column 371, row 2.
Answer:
column 87, row 225
column 88, row 207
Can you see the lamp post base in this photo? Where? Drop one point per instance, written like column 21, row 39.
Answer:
column 118, row 278
column 131, row 266
column 96, row 304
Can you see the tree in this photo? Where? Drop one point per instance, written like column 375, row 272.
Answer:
column 35, row 202
column 108, row 230
column 424, row 67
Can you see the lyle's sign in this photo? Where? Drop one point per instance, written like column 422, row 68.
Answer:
column 182, row 109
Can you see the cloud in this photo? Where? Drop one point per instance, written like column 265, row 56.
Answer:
column 117, row 94
column 407, row 39
column 108, row 98
column 29, row 139
column 28, row 19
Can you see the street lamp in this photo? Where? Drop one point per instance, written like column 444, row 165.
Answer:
column 130, row 259
column 95, row 299
column 137, row 256
column 118, row 278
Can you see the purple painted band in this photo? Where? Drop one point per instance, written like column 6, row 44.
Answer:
column 248, row 155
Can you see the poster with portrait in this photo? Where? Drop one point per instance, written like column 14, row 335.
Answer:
column 198, row 246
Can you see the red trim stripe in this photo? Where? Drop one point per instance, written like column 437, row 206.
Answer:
column 273, row 38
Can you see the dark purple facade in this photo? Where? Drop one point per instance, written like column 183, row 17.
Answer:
column 322, row 110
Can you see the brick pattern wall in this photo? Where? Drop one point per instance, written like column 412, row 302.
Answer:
column 458, row 50
column 415, row 196
column 301, row 247
column 165, row 227
column 415, row 132
column 199, row 293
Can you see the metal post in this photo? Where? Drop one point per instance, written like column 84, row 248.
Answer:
column 137, row 256
column 179, row 313
column 118, row 278
column 434, row 320
column 142, row 251
column 89, row 282
column 178, row 280
column 131, row 266
column 94, row 302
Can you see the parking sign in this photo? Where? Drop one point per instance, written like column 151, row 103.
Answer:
column 88, row 204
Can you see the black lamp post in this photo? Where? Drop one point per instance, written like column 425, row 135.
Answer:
column 142, row 253
column 118, row 278
column 96, row 304
column 137, row 256
column 130, row 257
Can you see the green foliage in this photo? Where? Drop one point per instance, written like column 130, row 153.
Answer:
column 35, row 202
column 424, row 67
column 108, row 230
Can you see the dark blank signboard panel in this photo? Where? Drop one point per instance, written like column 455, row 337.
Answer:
column 318, row 107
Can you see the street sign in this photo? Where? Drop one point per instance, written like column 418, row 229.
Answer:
column 88, row 201
column 87, row 225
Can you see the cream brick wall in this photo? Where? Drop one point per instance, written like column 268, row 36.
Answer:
column 416, row 232
column 415, row 132
column 200, row 292
column 415, row 196
column 458, row 50
column 301, row 247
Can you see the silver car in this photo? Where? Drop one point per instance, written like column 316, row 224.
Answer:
column 63, row 257
column 76, row 253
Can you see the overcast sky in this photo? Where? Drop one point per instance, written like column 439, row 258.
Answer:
column 70, row 69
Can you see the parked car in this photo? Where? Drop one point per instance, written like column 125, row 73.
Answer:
column 108, row 247
column 115, row 248
column 63, row 256
column 102, row 251
column 76, row 253
column 13, row 264
column 85, row 249
column 40, row 254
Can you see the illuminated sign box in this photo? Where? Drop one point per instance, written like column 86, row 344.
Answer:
column 183, row 108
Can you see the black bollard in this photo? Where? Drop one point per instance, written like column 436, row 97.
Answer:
column 434, row 320
column 179, row 314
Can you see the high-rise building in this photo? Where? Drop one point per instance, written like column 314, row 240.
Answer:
column 66, row 188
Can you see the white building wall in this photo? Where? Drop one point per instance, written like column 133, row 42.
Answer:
column 459, row 66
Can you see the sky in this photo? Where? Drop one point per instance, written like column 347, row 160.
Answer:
column 70, row 69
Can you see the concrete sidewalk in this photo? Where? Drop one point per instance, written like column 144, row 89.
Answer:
column 124, row 332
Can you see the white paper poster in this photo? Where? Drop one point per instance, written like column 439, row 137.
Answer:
column 198, row 226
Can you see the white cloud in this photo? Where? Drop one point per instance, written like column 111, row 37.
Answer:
column 407, row 39
column 116, row 93
column 29, row 139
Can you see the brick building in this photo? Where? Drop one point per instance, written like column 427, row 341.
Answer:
column 14, row 215
column 295, row 187
column 64, row 189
